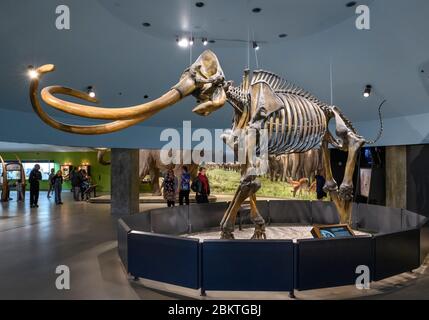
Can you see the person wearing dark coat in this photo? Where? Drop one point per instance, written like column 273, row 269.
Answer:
column 75, row 179
column 185, row 188
column 201, row 186
column 34, row 180
column 57, row 183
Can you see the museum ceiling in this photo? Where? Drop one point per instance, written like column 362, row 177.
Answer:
column 109, row 48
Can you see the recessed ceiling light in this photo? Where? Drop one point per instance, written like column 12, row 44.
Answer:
column 146, row 24
column 282, row 35
column 199, row 4
column 351, row 4
column 212, row 41
column 256, row 10
column 145, row 96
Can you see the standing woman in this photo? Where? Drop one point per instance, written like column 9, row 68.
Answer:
column 201, row 186
column 57, row 183
column 35, row 177
column 170, row 188
column 51, row 187
column 185, row 188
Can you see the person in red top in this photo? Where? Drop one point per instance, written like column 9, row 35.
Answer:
column 201, row 186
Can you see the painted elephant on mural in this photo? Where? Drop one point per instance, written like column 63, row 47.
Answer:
column 151, row 164
column 275, row 168
column 295, row 166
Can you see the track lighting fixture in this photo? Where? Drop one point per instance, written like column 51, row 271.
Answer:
column 90, row 91
column 255, row 45
column 32, row 73
column 367, row 91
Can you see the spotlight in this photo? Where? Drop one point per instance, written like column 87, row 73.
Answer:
column 32, row 73
column 182, row 42
column 255, row 45
column 205, row 41
column 191, row 41
column 91, row 91
column 367, row 91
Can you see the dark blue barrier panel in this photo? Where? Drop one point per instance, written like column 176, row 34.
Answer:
column 264, row 209
column 166, row 259
column 293, row 211
column 355, row 215
column 424, row 240
column 247, row 265
column 324, row 212
column 139, row 221
column 330, row 262
column 123, row 231
column 396, row 253
column 206, row 216
column 172, row 221
column 411, row 220
column 379, row 219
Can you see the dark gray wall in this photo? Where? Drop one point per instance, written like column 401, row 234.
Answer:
column 125, row 181
column 418, row 179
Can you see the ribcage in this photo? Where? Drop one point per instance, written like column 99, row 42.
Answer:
column 297, row 127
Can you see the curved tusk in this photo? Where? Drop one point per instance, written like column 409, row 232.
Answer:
column 100, row 157
column 125, row 117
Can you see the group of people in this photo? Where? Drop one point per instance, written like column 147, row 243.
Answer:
column 200, row 185
column 81, row 183
column 55, row 185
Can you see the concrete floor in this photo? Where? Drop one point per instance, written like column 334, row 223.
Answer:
column 33, row 242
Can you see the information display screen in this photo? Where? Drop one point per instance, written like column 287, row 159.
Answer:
column 45, row 168
column 334, row 231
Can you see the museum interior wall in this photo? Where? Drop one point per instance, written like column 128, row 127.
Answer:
column 100, row 174
column 418, row 179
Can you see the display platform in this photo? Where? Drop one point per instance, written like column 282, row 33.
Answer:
column 279, row 232
column 152, row 246
column 145, row 198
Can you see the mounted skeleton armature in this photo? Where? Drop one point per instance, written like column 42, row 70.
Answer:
column 5, row 183
column 296, row 122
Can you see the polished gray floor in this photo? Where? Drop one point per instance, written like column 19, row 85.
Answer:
column 33, row 242
column 80, row 235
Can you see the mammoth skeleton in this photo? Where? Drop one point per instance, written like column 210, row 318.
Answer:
column 296, row 122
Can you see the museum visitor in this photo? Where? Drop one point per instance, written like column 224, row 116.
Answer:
column 170, row 188
column 201, row 186
column 50, row 186
column 34, row 179
column 185, row 186
column 57, row 182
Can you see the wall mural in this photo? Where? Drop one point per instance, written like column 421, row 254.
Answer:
column 296, row 121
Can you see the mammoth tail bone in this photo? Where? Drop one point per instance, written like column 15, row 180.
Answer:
column 122, row 117
column 380, row 132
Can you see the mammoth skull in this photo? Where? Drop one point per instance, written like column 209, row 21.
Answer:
column 204, row 79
